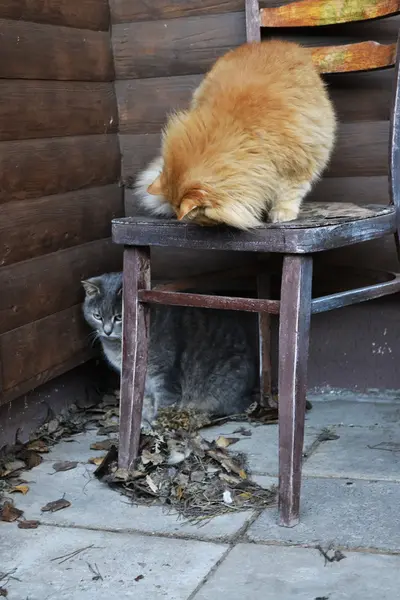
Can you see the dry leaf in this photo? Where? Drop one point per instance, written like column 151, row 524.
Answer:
column 56, row 505
column 12, row 466
column 3, row 592
column 28, row 524
column 197, row 476
column 107, row 430
column 31, row 458
column 151, row 484
column 242, row 474
column 37, row 446
column 97, row 460
column 139, row 577
column 121, row 474
column 243, row 431
column 64, row 465
column 53, row 425
column 231, row 479
column 22, row 489
column 104, row 445
column 9, row 513
column 151, row 457
column 224, row 442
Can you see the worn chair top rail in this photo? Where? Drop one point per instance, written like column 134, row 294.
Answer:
column 330, row 225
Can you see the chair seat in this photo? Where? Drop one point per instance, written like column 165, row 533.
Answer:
column 320, row 226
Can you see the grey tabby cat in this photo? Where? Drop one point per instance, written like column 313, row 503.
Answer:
column 197, row 357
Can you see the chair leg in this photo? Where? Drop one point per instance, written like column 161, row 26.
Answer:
column 294, row 331
column 134, row 352
column 264, row 341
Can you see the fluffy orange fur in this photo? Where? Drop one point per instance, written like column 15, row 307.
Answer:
column 258, row 133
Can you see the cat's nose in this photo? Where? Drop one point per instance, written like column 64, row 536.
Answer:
column 107, row 328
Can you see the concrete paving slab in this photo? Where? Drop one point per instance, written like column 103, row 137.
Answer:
column 278, row 573
column 262, row 447
column 78, row 449
column 359, row 453
column 359, row 414
column 360, row 515
column 96, row 505
column 165, row 569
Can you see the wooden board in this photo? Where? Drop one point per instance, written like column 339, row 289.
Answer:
column 137, row 151
column 144, row 103
column 84, row 14
column 349, row 58
column 30, row 228
column 27, row 353
column 24, row 388
column 34, row 289
column 39, row 109
column 35, row 51
column 34, row 168
column 306, row 13
column 179, row 47
column 361, row 190
column 143, row 10
column 362, row 96
column 361, row 150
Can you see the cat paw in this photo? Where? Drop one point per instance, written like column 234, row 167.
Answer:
column 281, row 215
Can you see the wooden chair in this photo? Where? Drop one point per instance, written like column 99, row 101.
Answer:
column 320, row 227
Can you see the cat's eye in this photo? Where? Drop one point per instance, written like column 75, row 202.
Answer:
column 97, row 316
column 118, row 318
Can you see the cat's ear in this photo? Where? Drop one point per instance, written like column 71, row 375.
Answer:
column 195, row 198
column 155, row 188
column 90, row 288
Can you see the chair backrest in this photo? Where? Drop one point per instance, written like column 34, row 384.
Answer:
column 346, row 58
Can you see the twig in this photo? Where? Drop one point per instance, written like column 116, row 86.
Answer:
column 96, row 573
column 337, row 555
column 71, row 554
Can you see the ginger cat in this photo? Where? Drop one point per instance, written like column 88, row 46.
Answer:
column 259, row 131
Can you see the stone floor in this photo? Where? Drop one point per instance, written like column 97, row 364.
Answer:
column 350, row 502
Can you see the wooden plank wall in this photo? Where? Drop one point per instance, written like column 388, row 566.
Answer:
column 59, row 171
column 161, row 51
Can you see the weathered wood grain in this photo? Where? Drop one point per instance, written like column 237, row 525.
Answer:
column 23, row 389
column 84, row 14
column 30, row 228
column 36, row 288
column 34, row 168
column 364, row 56
column 136, row 151
column 178, row 47
column 361, row 190
column 61, row 337
column 302, row 239
column 143, row 104
column 123, row 11
column 206, row 301
column 362, row 96
column 136, row 332
column 253, row 21
column 305, row 13
column 294, row 335
column 39, row 109
column 36, row 51
column 361, row 150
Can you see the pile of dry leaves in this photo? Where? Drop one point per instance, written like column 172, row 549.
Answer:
column 176, row 466
column 184, row 472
